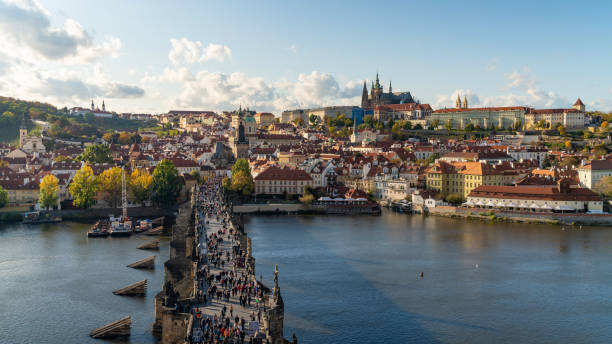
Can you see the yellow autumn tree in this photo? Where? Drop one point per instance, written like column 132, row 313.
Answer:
column 140, row 184
column 110, row 183
column 49, row 187
column 83, row 187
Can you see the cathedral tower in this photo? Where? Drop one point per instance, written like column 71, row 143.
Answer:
column 465, row 103
column 364, row 96
column 458, row 102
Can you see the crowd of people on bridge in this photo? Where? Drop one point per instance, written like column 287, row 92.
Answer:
column 224, row 278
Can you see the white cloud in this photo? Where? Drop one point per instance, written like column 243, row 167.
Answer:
column 184, row 50
column 26, row 34
column 292, row 48
column 521, row 90
column 221, row 91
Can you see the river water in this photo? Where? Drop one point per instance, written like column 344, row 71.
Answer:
column 343, row 280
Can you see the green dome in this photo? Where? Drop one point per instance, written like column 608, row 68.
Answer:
column 248, row 119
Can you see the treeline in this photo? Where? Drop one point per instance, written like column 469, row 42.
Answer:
column 13, row 112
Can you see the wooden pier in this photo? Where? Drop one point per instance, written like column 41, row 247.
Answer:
column 134, row 289
column 155, row 231
column 119, row 328
column 147, row 263
column 150, row 245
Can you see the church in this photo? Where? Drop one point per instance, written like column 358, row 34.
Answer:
column 378, row 97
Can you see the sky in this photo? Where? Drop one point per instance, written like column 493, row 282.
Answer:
column 153, row 56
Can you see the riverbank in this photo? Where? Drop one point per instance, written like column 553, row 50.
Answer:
column 521, row 217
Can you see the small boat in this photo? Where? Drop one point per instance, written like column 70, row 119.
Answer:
column 99, row 230
column 35, row 217
column 120, row 226
column 143, row 226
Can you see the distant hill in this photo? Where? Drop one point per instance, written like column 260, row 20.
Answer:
column 14, row 111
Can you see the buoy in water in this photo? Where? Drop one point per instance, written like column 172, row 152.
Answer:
column 422, row 274
column 476, row 266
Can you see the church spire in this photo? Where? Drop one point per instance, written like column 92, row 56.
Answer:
column 458, row 102
column 364, row 95
column 377, row 81
column 465, row 103
column 390, row 88
column 92, row 105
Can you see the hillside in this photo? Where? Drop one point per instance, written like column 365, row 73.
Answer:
column 14, row 111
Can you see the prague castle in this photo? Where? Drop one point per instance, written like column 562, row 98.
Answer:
column 378, row 97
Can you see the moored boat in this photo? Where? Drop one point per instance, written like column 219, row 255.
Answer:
column 35, row 217
column 99, row 230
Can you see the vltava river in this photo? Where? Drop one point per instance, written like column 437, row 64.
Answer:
column 56, row 284
column 356, row 279
column 343, row 279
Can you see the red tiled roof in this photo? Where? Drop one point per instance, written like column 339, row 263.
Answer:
column 551, row 193
column 597, row 165
column 286, row 173
column 578, row 102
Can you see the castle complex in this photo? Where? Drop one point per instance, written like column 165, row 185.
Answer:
column 378, row 97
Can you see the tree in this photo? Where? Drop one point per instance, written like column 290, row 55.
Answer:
column 469, row 127
column 124, row 138
column 110, row 183
column 407, row 125
column 298, row 122
column 4, row 199
column 448, row 125
column 196, row 175
column 454, row 198
column 369, row 120
column 96, row 154
column 561, row 130
column 307, row 198
column 49, row 186
column 363, row 126
column 435, row 123
column 605, row 186
column 243, row 183
column 587, row 135
column 166, row 183
column 568, row 144
column 140, row 184
column 83, row 187
column 242, row 180
column 225, row 183
column 569, row 161
column 313, row 119
column 604, row 125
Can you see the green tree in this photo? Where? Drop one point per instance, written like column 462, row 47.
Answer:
column 369, row 120
column 587, row 135
column 313, row 119
column 49, row 187
column 4, row 199
column 435, row 123
column 83, row 187
column 166, row 183
column 454, row 198
column 469, row 127
column 96, row 154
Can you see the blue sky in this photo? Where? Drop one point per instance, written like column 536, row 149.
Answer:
column 276, row 55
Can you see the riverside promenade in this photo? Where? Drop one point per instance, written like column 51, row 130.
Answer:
column 211, row 294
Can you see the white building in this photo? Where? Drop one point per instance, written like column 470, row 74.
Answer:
column 592, row 172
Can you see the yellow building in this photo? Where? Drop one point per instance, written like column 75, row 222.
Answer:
column 461, row 177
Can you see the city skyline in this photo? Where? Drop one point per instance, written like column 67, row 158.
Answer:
column 279, row 56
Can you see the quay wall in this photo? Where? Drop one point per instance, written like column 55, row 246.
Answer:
column 530, row 217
